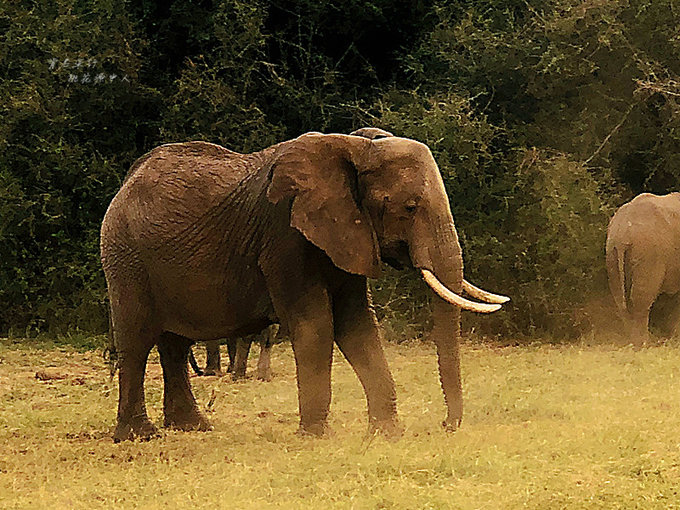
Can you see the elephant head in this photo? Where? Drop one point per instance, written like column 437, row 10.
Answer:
column 371, row 133
column 376, row 197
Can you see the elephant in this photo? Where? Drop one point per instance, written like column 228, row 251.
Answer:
column 643, row 260
column 238, row 350
column 202, row 243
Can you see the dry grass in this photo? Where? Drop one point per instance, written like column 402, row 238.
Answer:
column 545, row 427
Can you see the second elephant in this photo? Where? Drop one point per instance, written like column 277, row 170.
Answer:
column 643, row 260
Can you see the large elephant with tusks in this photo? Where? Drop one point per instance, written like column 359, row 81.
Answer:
column 643, row 260
column 203, row 243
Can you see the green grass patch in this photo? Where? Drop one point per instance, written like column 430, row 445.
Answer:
column 544, row 427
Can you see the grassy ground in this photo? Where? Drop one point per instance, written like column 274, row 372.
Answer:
column 545, row 427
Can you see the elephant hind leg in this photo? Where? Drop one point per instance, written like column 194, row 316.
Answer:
column 674, row 317
column 645, row 287
column 179, row 405
column 132, row 419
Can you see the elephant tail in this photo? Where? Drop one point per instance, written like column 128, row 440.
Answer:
column 194, row 363
column 617, row 259
column 110, row 352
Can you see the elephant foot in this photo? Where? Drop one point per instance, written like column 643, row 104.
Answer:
column 264, row 376
column 127, row 431
column 314, row 430
column 640, row 342
column 192, row 420
column 390, row 428
column 213, row 372
column 238, row 376
column 452, row 424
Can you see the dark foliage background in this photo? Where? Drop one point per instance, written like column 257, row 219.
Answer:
column 544, row 115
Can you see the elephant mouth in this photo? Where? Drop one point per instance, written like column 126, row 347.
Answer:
column 396, row 255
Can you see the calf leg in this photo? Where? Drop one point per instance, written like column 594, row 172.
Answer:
column 213, row 364
column 241, row 361
column 264, row 371
column 231, row 352
column 194, row 363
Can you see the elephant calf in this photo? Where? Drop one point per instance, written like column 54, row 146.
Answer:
column 643, row 259
column 238, row 350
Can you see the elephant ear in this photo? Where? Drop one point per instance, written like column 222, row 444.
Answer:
column 320, row 174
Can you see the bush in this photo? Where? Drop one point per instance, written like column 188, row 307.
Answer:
column 532, row 224
column 89, row 86
column 73, row 123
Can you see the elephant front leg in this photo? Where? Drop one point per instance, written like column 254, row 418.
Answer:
column 179, row 405
column 302, row 302
column 313, row 348
column 358, row 337
column 307, row 313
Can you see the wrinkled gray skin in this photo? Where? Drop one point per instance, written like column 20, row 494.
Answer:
column 643, row 259
column 238, row 350
column 202, row 243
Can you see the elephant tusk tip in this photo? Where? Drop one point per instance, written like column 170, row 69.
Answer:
column 483, row 295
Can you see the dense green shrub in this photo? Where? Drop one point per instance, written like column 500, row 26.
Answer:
column 544, row 115
column 74, row 117
column 532, row 224
column 596, row 80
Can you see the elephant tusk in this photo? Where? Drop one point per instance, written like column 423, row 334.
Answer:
column 453, row 298
column 484, row 295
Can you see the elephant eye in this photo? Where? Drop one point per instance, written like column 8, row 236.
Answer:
column 411, row 206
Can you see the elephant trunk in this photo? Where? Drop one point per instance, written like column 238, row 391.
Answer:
column 447, row 265
column 441, row 264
